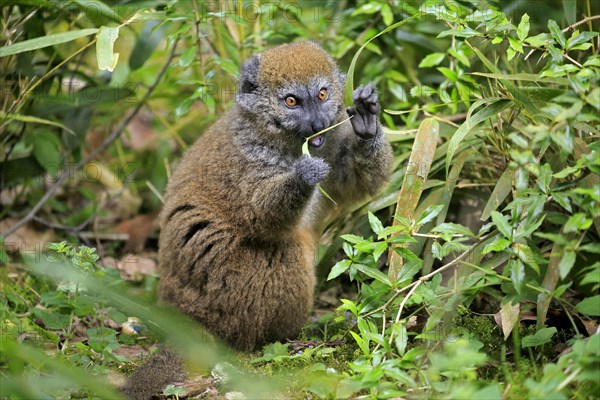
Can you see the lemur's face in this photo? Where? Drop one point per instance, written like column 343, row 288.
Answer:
column 295, row 89
column 305, row 109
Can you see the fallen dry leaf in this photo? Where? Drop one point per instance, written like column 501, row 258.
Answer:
column 132, row 267
column 139, row 228
column 132, row 352
column 507, row 318
column 26, row 239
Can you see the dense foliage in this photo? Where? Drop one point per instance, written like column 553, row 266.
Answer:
column 474, row 275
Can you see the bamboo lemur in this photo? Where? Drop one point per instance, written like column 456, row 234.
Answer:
column 242, row 213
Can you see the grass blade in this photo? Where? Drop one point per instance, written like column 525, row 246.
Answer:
column 45, row 41
column 487, row 112
column 350, row 75
column 501, row 190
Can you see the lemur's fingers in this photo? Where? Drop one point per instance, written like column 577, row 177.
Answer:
column 366, row 109
column 312, row 169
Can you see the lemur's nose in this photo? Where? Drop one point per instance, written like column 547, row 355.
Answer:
column 319, row 125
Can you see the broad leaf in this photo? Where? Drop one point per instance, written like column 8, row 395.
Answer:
column 541, row 337
column 339, row 269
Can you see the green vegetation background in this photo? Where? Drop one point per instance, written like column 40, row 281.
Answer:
column 475, row 274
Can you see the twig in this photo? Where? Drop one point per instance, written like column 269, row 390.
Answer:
column 583, row 21
column 69, row 228
column 94, row 153
column 573, row 61
column 404, row 300
column 155, row 191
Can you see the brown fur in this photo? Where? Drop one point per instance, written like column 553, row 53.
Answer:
column 239, row 235
column 295, row 62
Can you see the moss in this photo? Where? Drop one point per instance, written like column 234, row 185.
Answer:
column 482, row 328
column 296, row 372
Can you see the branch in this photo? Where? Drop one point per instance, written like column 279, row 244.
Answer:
column 107, row 142
column 583, row 21
column 404, row 300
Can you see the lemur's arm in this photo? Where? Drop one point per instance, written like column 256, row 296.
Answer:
column 362, row 161
column 278, row 201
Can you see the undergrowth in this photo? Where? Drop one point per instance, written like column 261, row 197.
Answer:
column 475, row 274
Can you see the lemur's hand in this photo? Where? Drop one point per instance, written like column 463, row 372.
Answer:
column 312, row 169
column 365, row 111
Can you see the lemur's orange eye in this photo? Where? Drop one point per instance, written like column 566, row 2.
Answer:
column 291, row 101
column 323, row 94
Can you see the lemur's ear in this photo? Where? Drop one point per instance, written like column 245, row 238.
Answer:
column 248, row 83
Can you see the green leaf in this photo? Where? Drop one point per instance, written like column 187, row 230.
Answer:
column 146, row 44
column 368, row 8
column 589, row 306
column 400, row 337
column 374, row 273
column 387, row 15
column 375, row 223
column 172, row 390
column 45, row 41
column 379, row 249
column 515, row 45
column 523, row 28
column 410, row 269
column 105, row 55
column 501, row 191
column 581, row 38
column 452, row 228
column 460, row 56
column 362, row 344
column 510, row 52
column 272, row 351
column 523, row 77
column 339, row 269
column 464, row 33
column 350, row 75
column 540, row 40
column 556, row 238
column 517, row 274
column 566, row 172
column 34, row 120
column 557, row 33
column 577, row 222
column 502, row 224
column 429, row 214
column 96, row 8
column 352, row 238
column 401, row 239
column 349, row 250
column 566, row 263
column 52, row 320
column 448, row 73
column 46, row 150
column 489, row 111
column 431, row 60
column 570, row 9
column 497, row 245
column 325, row 194
column 541, row 337
column 526, row 255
